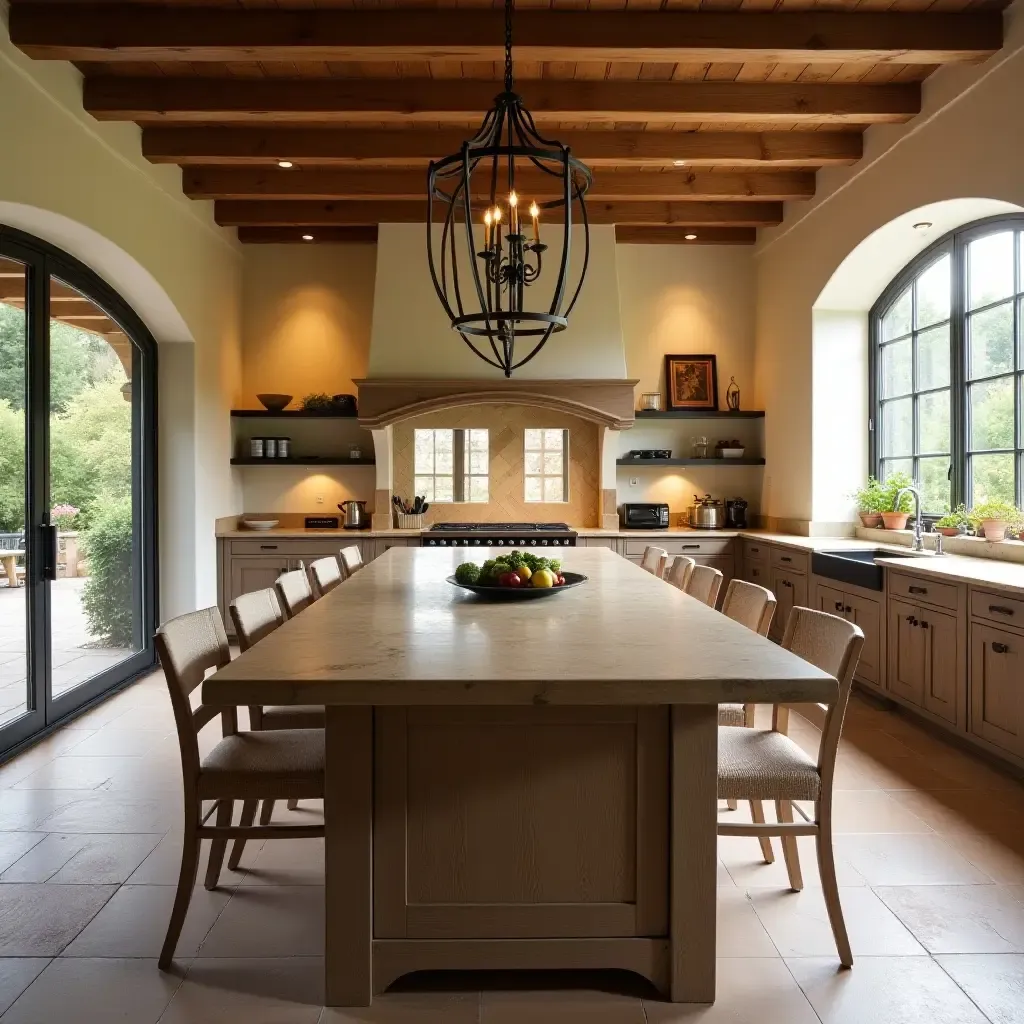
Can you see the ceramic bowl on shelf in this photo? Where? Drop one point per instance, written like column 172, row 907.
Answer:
column 732, row 453
column 260, row 524
column 274, row 403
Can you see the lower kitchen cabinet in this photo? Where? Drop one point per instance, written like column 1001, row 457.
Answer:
column 925, row 659
column 862, row 611
column 256, row 572
column 997, row 687
column 790, row 590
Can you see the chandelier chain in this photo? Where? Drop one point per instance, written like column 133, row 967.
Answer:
column 508, row 45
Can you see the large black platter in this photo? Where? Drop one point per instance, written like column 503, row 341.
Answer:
column 572, row 580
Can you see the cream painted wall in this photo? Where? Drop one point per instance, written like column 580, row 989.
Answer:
column 85, row 187
column 306, row 318
column 967, row 143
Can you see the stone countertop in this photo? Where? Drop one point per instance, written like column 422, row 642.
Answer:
column 397, row 633
column 983, row 572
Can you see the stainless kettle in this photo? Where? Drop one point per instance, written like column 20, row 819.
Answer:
column 707, row 513
column 355, row 514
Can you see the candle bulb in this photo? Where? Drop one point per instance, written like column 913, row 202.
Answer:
column 487, row 230
column 535, row 214
column 513, row 212
column 497, row 226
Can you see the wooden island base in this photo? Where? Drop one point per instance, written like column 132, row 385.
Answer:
column 521, row 837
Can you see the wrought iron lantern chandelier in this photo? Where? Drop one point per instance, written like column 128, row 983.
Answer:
column 489, row 258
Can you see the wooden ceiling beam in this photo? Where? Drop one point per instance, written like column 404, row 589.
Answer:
column 290, row 213
column 254, row 100
column 681, row 184
column 415, row 147
column 654, row 235
column 318, row 234
column 108, row 32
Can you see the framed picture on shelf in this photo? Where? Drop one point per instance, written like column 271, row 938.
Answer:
column 691, row 382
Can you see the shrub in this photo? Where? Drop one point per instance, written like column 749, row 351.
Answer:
column 107, row 596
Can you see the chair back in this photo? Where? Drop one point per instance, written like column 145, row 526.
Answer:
column 326, row 574
column 750, row 605
column 254, row 615
column 188, row 647
column 704, row 584
column 294, row 591
column 654, row 560
column 679, row 571
column 351, row 559
column 833, row 645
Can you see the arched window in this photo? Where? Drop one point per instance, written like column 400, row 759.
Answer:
column 947, row 366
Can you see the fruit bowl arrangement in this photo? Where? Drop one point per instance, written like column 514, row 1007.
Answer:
column 516, row 574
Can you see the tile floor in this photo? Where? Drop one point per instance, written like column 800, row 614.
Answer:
column 930, row 847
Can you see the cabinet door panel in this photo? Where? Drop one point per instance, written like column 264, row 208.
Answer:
column 757, row 572
column 867, row 614
column 790, row 589
column 828, row 599
column 997, row 682
column 906, row 652
column 942, row 666
column 249, row 574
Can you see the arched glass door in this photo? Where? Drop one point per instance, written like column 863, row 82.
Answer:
column 77, row 488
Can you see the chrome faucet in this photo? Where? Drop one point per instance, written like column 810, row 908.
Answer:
column 918, row 542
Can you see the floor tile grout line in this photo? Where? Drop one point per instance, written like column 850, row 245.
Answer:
column 967, row 994
column 796, row 981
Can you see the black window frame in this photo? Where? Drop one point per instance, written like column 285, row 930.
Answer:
column 955, row 243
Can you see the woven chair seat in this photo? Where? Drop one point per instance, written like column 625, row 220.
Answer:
column 731, row 714
column 756, row 765
column 294, row 716
column 283, row 763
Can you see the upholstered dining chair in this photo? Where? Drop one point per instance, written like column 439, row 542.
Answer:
column 326, row 575
column 654, row 560
column 756, row 764
column 678, row 573
column 294, row 591
column 247, row 766
column 351, row 559
column 754, row 607
column 704, row 584
column 254, row 615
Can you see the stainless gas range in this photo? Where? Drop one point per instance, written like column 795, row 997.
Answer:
column 513, row 535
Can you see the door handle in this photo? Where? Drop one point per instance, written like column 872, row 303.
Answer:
column 918, row 590
column 1001, row 648
column 785, row 558
column 847, row 609
column 48, row 561
column 691, row 547
column 1000, row 609
column 839, row 606
column 268, row 547
column 924, row 625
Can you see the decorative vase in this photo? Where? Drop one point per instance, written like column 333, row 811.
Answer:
column 895, row 520
column 994, row 529
column 871, row 520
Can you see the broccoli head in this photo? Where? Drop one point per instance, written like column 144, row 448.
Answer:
column 468, row 573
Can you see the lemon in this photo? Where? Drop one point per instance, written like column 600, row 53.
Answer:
column 542, row 578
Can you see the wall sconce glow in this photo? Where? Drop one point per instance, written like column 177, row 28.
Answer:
column 923, row 225
column 285, row 164
column 690, row 238
column 307, row 238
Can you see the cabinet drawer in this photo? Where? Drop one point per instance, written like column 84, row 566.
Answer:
column 677, row 546
column 292, row 547
column 916, row 589
column 997, row 608
column 755, row 550
column 787, row 558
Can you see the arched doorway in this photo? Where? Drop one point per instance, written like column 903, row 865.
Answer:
column 77, row 488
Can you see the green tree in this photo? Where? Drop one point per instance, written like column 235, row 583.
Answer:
column 12, row 468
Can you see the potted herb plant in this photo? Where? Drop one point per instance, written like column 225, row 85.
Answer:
column 994, row 518
column 896, row 513
column 869, row 500
column 954, row 523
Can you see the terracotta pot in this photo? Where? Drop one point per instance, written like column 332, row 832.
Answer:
column 895, row 520
column 994, row 529
column 948, row 531
column 872, row 520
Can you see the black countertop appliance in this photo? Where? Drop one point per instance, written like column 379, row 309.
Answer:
column 643, row 515
column 736, row 514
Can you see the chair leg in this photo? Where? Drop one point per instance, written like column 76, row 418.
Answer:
column 267, row 812
column 248, row 817
column 757, row 816
column 732, row 803
column 784, row 810
column 293, row 804
column 186, row 882
column 218, row 846
column 830, row 888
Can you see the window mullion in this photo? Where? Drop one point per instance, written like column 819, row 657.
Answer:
column 959, row 482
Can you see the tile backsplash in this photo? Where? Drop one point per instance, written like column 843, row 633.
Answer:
column 506, row 425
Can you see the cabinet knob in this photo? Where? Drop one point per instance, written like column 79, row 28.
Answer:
column 848, row 609
column 911, row 620
column 924, row 625
column 1000, row 648
column 839, row 606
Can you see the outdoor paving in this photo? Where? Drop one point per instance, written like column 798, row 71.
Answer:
column 73, row 661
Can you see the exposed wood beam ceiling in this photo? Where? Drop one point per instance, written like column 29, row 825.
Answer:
column 696, row 122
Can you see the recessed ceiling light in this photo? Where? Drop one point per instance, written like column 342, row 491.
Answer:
column 690, row 237
column 679, row 163
column 307, row 238
column 285, row 164
column 922, row 225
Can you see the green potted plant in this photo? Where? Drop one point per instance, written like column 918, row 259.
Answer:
column 954, row 523
column 994, row 518
column 870, row 499
column 895, row 513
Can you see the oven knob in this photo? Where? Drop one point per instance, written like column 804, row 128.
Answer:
column 499, row 542
column 431, row 543
column 543, row 542
column 476, row 541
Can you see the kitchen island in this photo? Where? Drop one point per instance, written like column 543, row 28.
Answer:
column 527, row 784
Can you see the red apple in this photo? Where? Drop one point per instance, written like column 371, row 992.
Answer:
column 509, row 579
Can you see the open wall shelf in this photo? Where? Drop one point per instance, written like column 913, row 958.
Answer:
column 312, row 460
column 285, row 414
column 698, row 414
column 711, row 463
